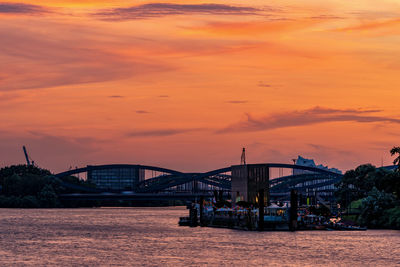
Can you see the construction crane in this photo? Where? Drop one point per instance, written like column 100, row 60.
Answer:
column 243, row 157
column 28, row 161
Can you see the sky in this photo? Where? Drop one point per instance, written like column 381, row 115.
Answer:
column 186, row 85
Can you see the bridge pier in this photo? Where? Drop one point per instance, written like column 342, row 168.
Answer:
column 261, row 210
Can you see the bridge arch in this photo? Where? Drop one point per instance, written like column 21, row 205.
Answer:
column 115, row 166
column 217, row 178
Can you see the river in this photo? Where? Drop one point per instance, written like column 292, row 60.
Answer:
column 152, row 237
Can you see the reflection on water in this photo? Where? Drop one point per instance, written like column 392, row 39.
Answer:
column 151, row 237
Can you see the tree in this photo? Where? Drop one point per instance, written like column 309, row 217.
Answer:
column 391, row 218
column 29, row 202
column 396, row 150
column 47, row 197
column 390, row 183
column 373, row 207
column 356, row 184
column 26, row 186
column 12, row 185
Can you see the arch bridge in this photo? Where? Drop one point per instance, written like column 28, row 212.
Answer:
column 144, row 179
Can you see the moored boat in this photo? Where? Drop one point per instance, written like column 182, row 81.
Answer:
column 343, row 227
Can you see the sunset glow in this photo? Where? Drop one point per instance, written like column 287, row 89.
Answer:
column 185, row 85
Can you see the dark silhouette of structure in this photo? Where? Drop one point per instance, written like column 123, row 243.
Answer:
column 243, row 157
column 28, row 161
column 160, row 182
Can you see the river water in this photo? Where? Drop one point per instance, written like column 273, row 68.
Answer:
column 152, row 237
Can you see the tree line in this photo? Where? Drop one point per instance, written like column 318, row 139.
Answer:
column 373, row 193
column 27, row 186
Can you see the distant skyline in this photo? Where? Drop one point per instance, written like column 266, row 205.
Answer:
column 186, row 84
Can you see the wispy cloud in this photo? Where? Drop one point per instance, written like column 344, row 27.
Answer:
column 262, row 84
column 306, row 117
column 142, row 112
column 20, row 8
column 38, row 59
column 237, row 102
column 327, row 150
column 267, row 26
column 161, row 132
column 371, row 25
column 116, row 96
column 8, row 96
column 166, row 9
column 326, row 17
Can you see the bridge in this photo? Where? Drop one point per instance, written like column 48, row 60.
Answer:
column 162, row 183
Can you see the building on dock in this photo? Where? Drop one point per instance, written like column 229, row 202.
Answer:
column 248, row 180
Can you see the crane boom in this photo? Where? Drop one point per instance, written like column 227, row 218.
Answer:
column 26, row 155
column 243, row 157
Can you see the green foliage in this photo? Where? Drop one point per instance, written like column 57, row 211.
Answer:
column 355, row 184
column 12, row 185
column 391, row 218
column 396, row 150
column 18, row 202
column 10, row 202
column 373, row 207
column 28, row 187
column 356, row 205
column 30, row 202
column 47, row 197
column 21, row 170
column 353, row 208
column 390, row 183
column 25, row 186
column 374, row 193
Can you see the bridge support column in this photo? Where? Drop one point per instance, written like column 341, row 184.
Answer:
column 201, row 211
column 293, row 210
column 193, row 216
column 261, row 210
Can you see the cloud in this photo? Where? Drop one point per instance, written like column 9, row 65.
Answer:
column 326, row 150
column 254, row 28
column 163, row 96
column 116, row 96
column 326, row 17
column 19, row 8
column 41, row 59
column 161, row 132
column 262, row 84
column 166, row 9
column 142, row 112
column 373, row 25
column 237, row 101
column 374, row 14
column 306, row 117
column 8, row 96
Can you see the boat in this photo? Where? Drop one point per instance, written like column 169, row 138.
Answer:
column 276, row 217
column 344, row 227
column 338, row 225
column 311, row 222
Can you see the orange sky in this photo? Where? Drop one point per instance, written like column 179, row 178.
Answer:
column 186, row 84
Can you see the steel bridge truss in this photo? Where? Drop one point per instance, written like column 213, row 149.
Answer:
column 170, row 180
